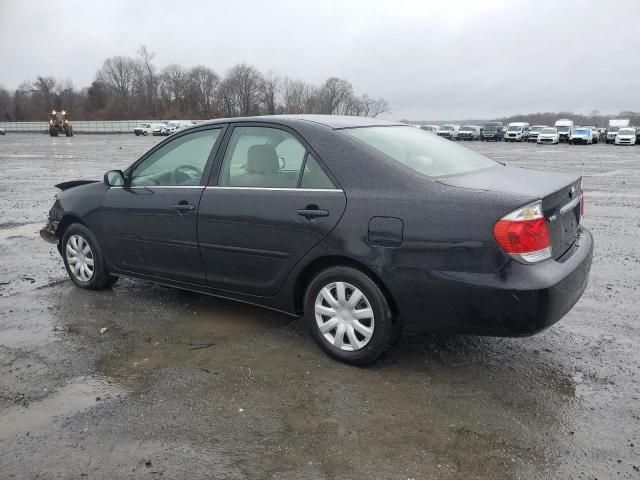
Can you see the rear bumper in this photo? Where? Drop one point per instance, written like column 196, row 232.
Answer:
column 518, row 300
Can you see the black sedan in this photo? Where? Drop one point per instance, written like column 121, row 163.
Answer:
column 361, row 225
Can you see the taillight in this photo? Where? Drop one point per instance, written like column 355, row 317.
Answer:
column 524, row 234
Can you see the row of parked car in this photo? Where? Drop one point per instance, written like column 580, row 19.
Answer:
column 563, row 131
column 162, row 128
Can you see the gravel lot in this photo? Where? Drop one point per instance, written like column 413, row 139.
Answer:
column 186, row 386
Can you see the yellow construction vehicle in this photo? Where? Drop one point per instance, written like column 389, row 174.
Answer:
column 59, row 123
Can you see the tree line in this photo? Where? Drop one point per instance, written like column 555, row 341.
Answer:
column 128, row 88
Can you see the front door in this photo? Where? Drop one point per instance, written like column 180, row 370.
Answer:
column 150, row 224
column 272, row 203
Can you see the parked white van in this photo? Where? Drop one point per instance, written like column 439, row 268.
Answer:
column 449, row 131
column 517, row 132
column 564, row 127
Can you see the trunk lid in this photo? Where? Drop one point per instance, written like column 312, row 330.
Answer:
column 559, row 192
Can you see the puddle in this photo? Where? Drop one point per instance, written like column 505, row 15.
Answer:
column 188, row 336
column 72, row 398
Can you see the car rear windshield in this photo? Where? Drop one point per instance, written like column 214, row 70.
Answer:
column 426, row 154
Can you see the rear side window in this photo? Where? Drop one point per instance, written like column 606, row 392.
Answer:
column 313, row 175
column 426, row 154
column 262, row 157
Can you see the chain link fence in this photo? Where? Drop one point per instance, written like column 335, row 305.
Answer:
column 116, row 126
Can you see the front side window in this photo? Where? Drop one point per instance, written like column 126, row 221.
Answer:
column 426, row 154
column 262, row 157
column 180, row 162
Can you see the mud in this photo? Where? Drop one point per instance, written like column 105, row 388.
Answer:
column 186, row 386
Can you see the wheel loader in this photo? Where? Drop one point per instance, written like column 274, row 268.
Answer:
column 59, row 123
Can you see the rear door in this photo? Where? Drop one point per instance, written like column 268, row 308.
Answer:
column 270, row 203
column 151, row 224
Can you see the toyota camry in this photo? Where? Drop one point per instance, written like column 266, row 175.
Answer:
column 362, row 226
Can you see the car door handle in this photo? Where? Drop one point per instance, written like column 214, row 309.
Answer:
column 312, row 211
column 184, row 207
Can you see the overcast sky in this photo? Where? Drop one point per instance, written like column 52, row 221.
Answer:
column 430, row 60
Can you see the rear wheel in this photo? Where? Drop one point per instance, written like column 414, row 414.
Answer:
column 83, row 259
column 348, row 316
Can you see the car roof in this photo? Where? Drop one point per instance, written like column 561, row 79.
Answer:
column 330, row 121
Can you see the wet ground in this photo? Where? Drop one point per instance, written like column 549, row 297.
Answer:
column 186, row 386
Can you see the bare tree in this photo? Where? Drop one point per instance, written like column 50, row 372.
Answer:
column 375, row 107
column 43, row 92
column 149, row 78
column 203, row 83
column 174, row 77
column 336, row 96
column 270, row 88
column 293, row 95
column 118, row 73
column 226, row 99
column 5, row 105
column 245, row 83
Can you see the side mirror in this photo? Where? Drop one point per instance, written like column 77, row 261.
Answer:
column 114, row 178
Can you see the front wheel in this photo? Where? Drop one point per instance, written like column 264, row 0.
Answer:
column 348, row 316
column 83, row 259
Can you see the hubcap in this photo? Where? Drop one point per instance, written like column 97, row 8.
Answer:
column 344, row 316
column 80, row 258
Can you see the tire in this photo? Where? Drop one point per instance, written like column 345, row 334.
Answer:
column 137, row 134
column 365, row 349
column 75, row 239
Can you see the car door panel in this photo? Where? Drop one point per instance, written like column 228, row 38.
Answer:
column 251, row 238
column 147, row 234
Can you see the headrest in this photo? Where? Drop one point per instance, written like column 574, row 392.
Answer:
column 262, row 159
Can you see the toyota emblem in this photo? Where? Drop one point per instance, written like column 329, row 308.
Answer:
column 572, row 192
